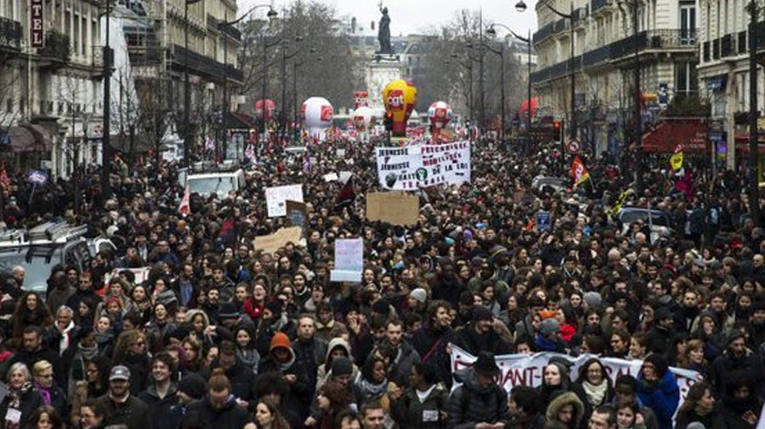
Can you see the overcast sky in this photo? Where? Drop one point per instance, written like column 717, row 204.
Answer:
column 416, row 16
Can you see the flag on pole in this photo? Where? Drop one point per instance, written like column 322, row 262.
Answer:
column 617, row 207
column 579, row 172
column 185, row 208
column 676, row 160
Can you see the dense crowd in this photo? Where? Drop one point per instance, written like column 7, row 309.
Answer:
column 221, row 335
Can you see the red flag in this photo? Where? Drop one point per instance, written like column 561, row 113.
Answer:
column 578, row 171
column 185, row 208
column 346, row 195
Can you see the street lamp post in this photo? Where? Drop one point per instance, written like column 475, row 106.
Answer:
column 285, row 57
column 501, row 53
column 106, row 147
column 754, row 154
column 186, row 84
column 272, row 14
column 521, row 6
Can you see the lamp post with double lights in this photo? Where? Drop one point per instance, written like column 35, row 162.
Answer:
column 285, row 57
column 521, row 6
column 223, row 26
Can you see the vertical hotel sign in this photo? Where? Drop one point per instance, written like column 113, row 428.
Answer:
column 36, row 32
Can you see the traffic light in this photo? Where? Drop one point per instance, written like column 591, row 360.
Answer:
column 557, row 131
column 388, row 121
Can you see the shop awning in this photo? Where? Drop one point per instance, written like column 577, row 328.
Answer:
column 29, row 138
column 668, row 134
column 742, row 143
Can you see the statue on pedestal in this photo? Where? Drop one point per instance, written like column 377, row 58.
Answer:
column 383, row 34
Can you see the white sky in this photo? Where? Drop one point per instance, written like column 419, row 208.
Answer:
column 416, row 16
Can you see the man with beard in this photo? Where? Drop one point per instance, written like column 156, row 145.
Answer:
column 405, row 355
column 211, row 306
column 122, row 408
column 432, row 339
column 479, row 336
column 736, row 358
column 445, row 284
column 688, row 312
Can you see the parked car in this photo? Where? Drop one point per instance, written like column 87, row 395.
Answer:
column 549, row 184
column 40, row 248
column 659, row 221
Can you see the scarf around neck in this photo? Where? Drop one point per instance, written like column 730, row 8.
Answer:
column 595, row 393
column 371, row 390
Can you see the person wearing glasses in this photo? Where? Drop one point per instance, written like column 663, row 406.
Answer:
column 48, row 389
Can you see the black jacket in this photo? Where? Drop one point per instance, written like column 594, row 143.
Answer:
column 134, row 413
column 30, row 401
column 161, row 410
column 409, row 412
column 242, row 379
column 473, row 342
column 231, row 416
column 472, row 403
column 431, row 344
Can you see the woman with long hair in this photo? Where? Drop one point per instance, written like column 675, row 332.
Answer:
column 246, row 350
column 596, row 384
column 267, row 416
column 697, row 407
column 131, row 351
column 160, row 326
column 22, row 398
column 555, row 377
column 45, row 417
column 30, row 310
column 194, row 354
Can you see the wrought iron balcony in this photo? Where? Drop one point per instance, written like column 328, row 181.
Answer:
column 204, row 66
column 56, row 47
column 543, row 33
column 10, row 33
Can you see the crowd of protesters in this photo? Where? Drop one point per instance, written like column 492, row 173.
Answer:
column 222, row 335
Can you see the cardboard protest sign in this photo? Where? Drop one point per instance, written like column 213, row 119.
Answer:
column 349, row 257
column 272, row 242
column 297, row 213
column 396, row 208
column 277, row 195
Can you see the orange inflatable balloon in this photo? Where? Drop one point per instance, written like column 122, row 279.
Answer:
column 399, row 98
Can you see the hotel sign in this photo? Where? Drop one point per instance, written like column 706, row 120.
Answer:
column 36, row 35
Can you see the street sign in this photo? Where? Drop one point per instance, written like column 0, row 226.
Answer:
column 573, row 146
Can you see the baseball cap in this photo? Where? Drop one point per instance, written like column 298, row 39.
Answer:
column 119, row 372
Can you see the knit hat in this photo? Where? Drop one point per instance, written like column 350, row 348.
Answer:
column 341, row 366
column 481, row 313
column 593, row 299
column 280, row 339
column 228, row 311
column 549, row 327
column 275, row 307
column 658, row 362
column 485, row 364
column 419, row 294
column 193, row 385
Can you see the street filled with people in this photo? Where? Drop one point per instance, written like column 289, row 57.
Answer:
column 663, row 274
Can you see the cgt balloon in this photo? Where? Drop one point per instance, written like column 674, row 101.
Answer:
column 399, row 98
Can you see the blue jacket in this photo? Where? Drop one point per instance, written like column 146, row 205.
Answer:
column 662, row 398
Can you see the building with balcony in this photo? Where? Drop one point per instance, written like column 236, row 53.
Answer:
column 50, row 94
column 723, row 73
column 155, row 59
column 603, row 59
